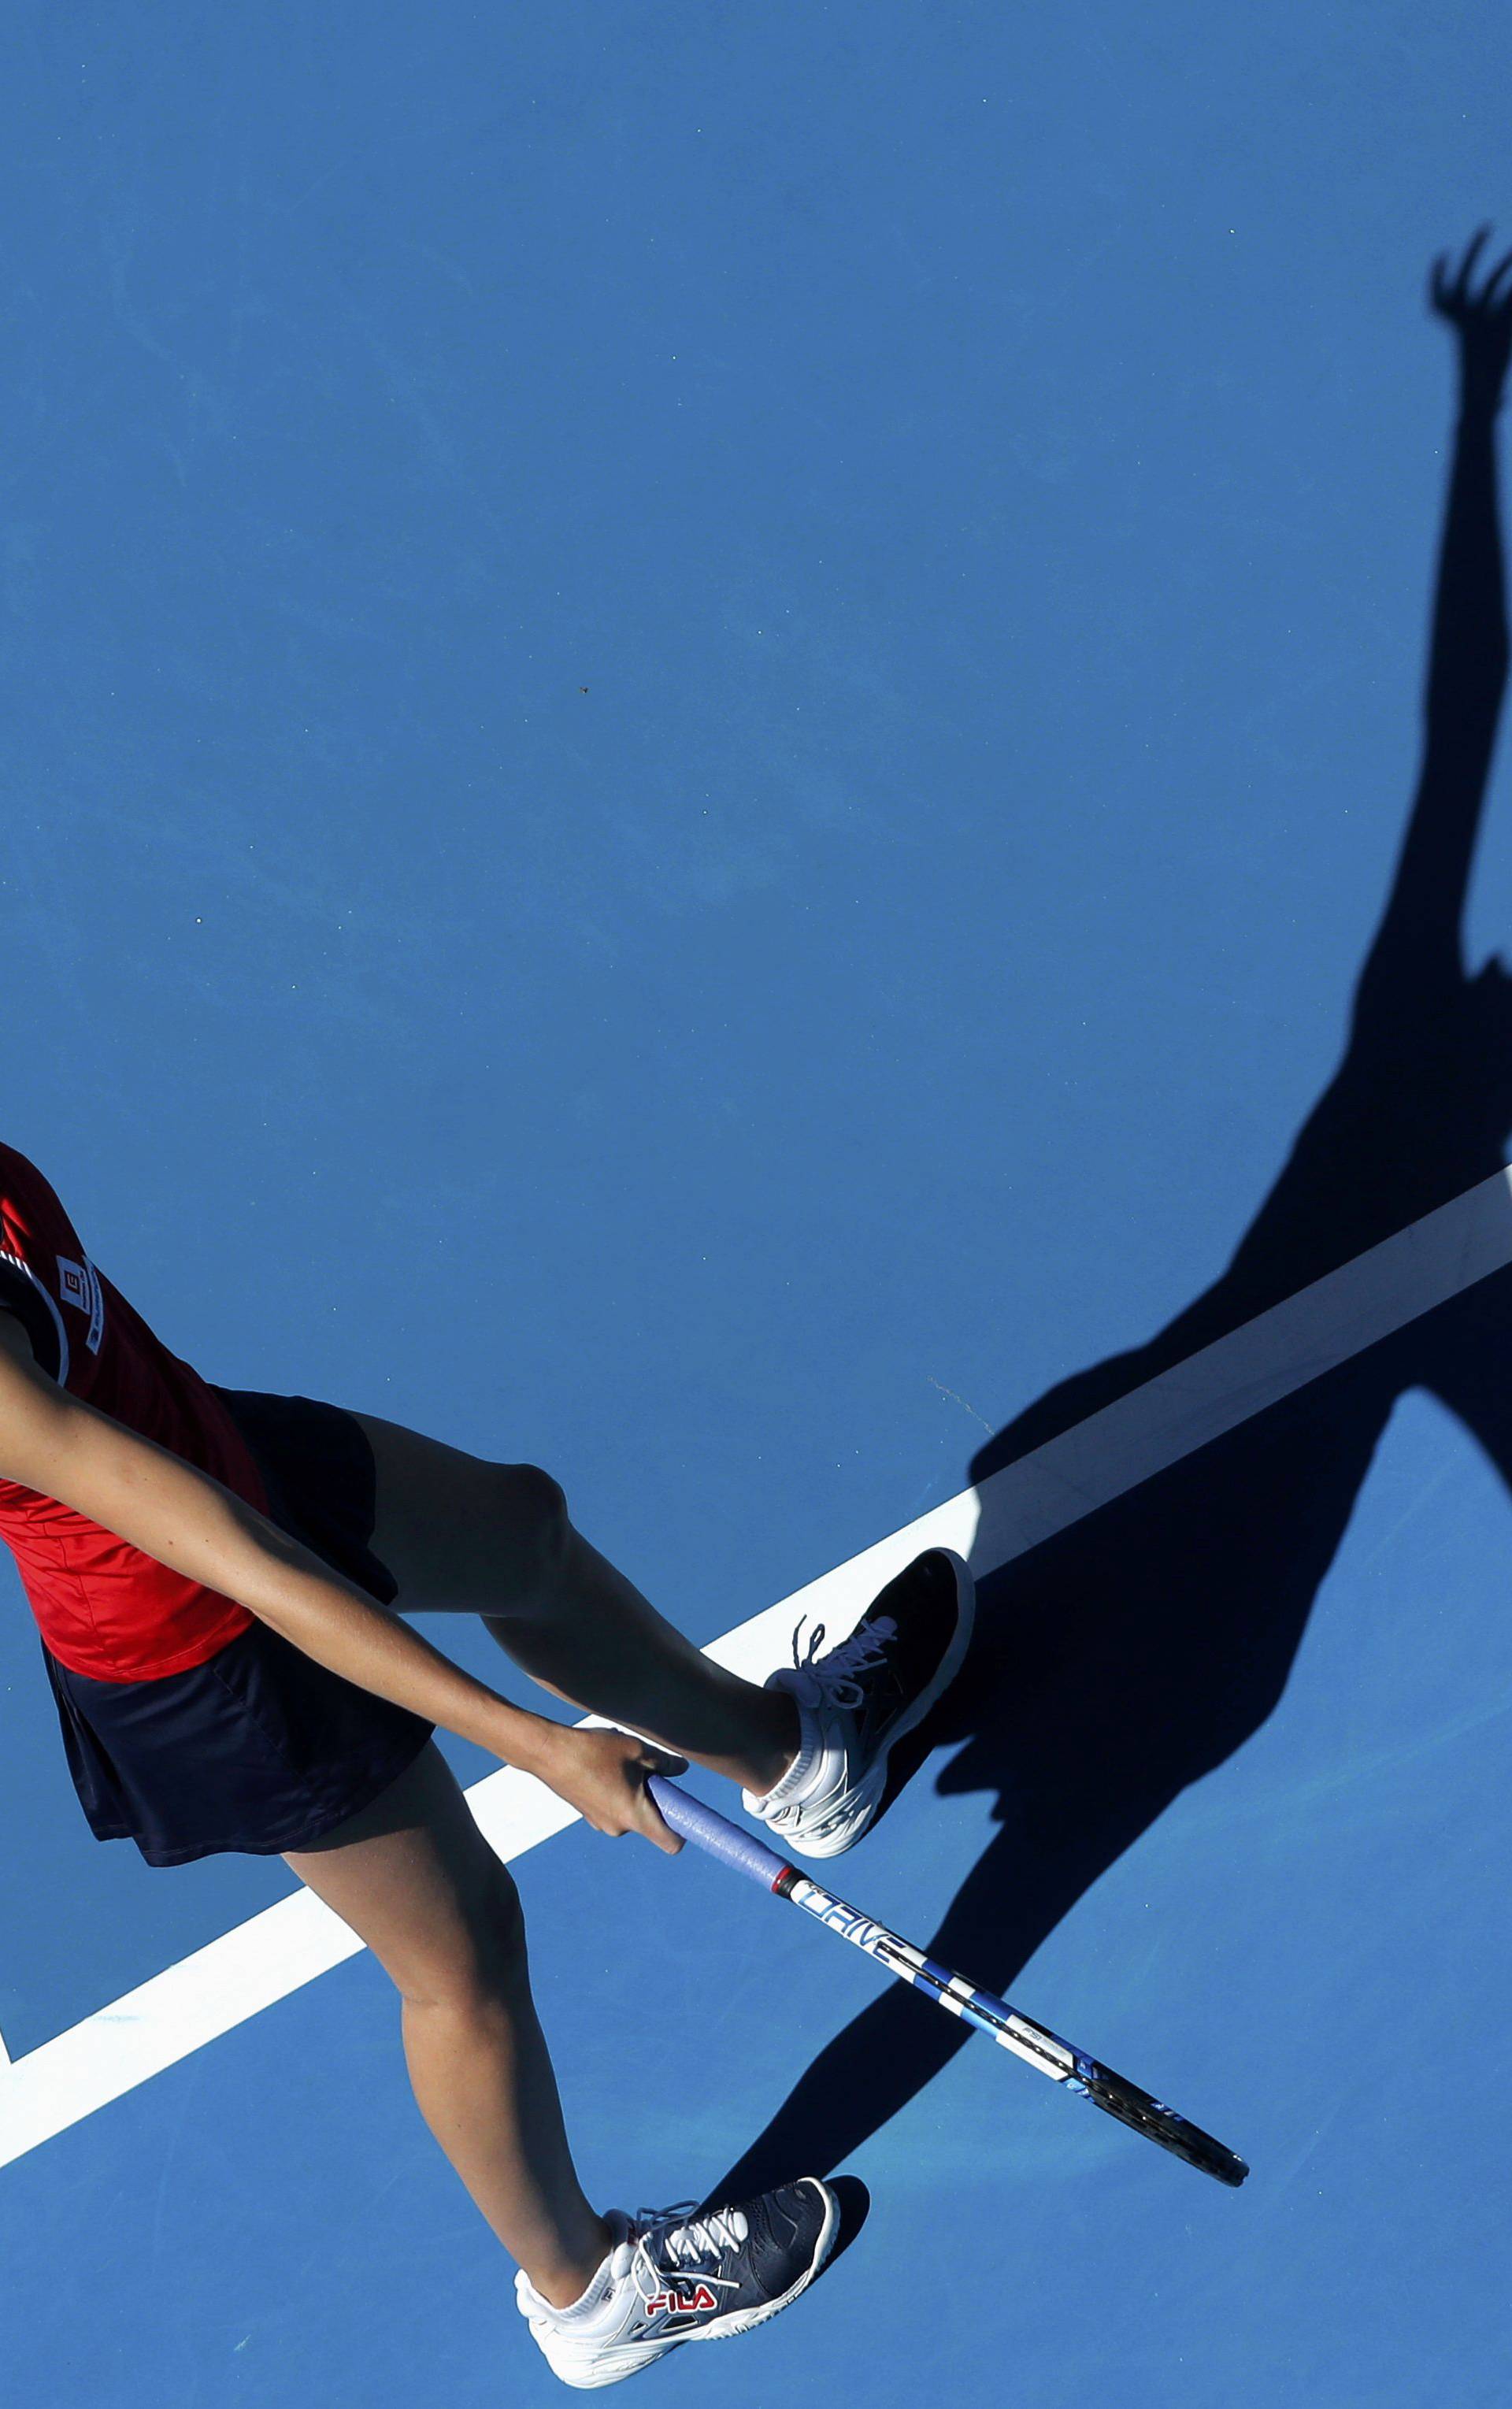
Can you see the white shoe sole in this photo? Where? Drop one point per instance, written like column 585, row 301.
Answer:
column 617, row 2367
column 868, row 1791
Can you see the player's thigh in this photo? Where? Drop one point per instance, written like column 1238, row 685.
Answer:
column 460, row 1533
column 415, row 1878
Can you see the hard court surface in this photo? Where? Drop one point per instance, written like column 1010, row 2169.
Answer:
column 706, row 714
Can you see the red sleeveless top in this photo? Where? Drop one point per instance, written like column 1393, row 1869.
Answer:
column 104, row 1608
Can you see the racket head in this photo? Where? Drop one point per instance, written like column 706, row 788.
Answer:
column 1136, row 2108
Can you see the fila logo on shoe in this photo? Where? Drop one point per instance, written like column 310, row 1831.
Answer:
column 682, row 2300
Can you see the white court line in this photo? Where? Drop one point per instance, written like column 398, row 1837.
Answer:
column 273, row 1954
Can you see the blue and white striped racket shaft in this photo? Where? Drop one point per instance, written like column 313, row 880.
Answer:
column 1034, row 2042
column 744, row 1853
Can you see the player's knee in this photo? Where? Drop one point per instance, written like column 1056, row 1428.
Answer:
column 535, row 1517
column 477, row 1969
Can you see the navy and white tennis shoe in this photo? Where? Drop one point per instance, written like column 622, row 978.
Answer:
column 856, row 1703
column 684, row 2274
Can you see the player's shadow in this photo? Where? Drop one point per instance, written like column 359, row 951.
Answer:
column 1127, row 1657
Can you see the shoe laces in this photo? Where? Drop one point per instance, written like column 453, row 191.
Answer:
column 835, row 1674
column 684, row 2239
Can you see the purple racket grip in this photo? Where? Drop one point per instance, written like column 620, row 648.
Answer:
column 693, row 1821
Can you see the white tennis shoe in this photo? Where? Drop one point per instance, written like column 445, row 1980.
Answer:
column 856, row 1703
column 683, row 2274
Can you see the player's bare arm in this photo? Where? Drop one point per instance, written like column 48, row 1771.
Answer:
column 55, row 1444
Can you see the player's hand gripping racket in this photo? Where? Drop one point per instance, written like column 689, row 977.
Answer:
column 746, row 1854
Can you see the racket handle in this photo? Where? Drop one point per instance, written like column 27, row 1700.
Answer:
column 693, row 1821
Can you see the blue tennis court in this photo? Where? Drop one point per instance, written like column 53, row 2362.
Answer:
column 712, row 723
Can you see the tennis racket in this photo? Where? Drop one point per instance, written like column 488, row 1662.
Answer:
column 1034, row 2042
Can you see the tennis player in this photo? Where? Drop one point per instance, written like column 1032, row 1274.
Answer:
column 218, row 1577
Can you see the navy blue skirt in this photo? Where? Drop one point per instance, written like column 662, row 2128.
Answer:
column 260, row 1749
